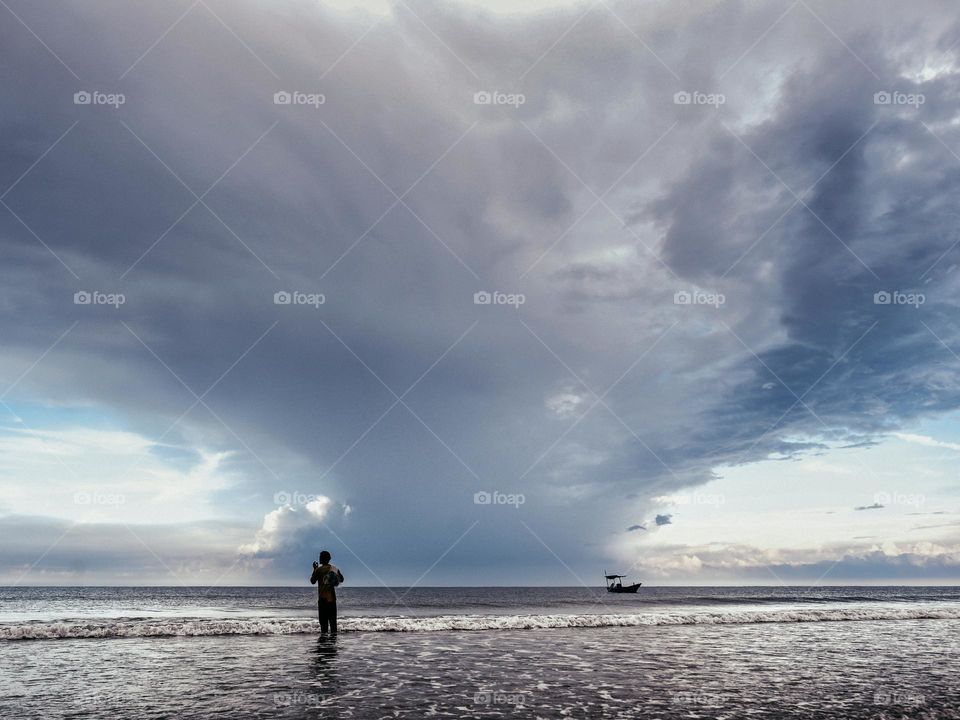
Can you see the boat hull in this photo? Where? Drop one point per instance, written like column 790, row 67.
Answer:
column 624, row 588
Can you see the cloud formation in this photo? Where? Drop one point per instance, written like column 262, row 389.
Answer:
column 857, row 561
column 284, row 529
column 814, row 209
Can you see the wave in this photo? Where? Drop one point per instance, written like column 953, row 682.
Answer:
column 196, row 627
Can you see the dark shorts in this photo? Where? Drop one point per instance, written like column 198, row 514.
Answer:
column 327, row 614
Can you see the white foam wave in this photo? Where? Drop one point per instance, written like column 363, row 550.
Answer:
column 191, row 627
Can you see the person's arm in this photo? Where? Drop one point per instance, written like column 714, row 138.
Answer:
column 313, row 576
column 339, row 574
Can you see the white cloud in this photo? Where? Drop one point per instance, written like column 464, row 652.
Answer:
column 284, row 527
column 70, row 442
column 723, row 561
column 120, row 476
column 565, row 403
column 927, row 441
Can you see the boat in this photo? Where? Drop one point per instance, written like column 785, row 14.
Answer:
column 615, row 584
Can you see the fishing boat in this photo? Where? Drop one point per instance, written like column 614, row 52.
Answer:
column 615, row 584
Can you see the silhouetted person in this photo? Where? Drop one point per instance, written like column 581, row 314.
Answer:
column 326, row 577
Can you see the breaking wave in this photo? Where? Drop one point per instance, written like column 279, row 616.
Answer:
column 195, row 627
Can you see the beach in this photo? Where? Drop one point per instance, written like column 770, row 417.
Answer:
column 531, row 652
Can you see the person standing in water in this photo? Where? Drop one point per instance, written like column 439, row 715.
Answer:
column 326, row 577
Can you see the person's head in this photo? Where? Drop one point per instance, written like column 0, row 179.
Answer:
column 324, row 557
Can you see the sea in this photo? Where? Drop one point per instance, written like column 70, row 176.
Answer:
column 512, row 652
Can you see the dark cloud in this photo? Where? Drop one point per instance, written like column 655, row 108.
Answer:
column 875, row 506
column 634, row 528
column 798, row 359
column 663, row 520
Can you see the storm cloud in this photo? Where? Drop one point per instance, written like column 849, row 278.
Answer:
column 353, row 264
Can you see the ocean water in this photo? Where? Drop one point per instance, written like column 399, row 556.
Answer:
column 481, row 652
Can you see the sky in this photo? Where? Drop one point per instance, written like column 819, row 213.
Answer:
column 479, row 293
